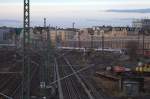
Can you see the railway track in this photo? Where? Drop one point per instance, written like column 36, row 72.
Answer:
column 73, row 86
column 11, row 77
column 86, row 77
column 9, row 83
column 70, row 85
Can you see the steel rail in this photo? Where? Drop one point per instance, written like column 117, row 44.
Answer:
column 67, row 86
column 7, row 97
column 61, row 96
column 75, row 88
column 71, row 86
column 90, row 83
column 83, row 69
column 79, row 79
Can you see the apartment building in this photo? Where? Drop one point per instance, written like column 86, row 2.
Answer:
column 7, row 35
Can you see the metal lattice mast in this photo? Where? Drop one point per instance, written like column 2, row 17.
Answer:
column 27, row 20
column 26, row 43
column 48, row 51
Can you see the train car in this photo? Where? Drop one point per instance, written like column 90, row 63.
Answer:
column 147, row 53
column 143, row 69
column 118, row 69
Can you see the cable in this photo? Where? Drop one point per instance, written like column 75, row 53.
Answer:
column 78, row 71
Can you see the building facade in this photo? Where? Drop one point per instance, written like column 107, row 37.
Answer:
column 139, row 23
column 7, row 35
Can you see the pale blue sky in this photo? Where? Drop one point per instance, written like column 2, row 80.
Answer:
column 20, row 1
column 64, row 12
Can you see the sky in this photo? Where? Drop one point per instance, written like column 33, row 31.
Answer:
column 85, row 13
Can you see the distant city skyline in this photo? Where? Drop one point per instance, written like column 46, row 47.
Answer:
column 84, row 13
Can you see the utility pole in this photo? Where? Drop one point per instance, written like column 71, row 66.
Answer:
column 44, row 67
column 26, row 57
column 48, row 52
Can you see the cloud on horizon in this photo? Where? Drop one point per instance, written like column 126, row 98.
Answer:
column 147, row 10
column 111, row 22
column 9, row 20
